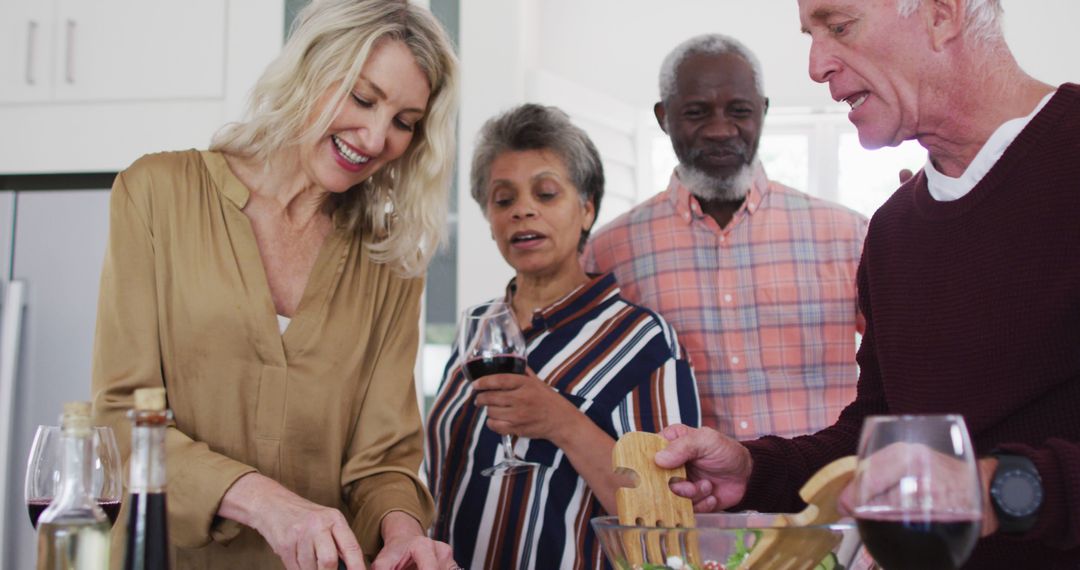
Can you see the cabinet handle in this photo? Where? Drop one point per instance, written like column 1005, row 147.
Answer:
column 31, row 41
column 69, row 68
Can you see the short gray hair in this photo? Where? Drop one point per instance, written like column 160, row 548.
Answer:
column 538, row 127
column 715, row 44
column 983, row 17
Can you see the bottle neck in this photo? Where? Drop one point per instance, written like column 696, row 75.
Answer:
column 148, row 451
column 76, row 471
column 76, row 474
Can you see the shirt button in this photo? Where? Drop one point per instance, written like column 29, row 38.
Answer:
column 734, row 359
column 722, row 239
column 727, row 297
column 743, row 424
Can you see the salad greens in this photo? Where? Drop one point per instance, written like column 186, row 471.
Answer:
column 742, row 551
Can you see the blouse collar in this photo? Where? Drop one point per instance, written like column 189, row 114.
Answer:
column 581, row 299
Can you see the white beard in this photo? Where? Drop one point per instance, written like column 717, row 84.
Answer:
column 716, row 189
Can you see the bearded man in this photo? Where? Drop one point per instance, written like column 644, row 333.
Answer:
column 757, row 278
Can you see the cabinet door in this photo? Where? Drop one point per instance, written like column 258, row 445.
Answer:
column 26, row 47
column 139, row 49
column 60, row 239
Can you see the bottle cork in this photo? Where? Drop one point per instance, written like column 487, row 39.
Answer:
column 76, row 415
column 150, row 399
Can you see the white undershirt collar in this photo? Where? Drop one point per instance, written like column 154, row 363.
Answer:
column 946, row 188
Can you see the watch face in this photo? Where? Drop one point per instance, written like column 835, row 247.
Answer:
column 1017, row 492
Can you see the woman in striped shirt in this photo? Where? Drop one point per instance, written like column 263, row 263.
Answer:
column 599, row 366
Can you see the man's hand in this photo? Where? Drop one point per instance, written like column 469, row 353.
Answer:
column 951, row 480
column 717, row 467
column 305, row 535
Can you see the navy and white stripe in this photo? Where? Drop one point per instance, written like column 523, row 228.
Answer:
column 621, row 365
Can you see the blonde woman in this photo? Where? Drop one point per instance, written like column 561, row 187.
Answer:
column 272, row 285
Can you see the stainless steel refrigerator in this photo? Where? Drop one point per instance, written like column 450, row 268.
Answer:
column 52, row 243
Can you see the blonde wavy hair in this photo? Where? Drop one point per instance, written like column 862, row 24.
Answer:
column 400, row 210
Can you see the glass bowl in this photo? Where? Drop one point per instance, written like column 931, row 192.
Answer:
column 723, row 540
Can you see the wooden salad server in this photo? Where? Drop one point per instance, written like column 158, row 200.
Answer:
column 650, row 503
column 776, row 550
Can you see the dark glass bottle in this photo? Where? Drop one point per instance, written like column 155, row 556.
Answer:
column 73, row 532
column 147, row 524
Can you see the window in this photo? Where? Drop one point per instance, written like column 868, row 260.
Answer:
column 868, row 177
column 819, row 154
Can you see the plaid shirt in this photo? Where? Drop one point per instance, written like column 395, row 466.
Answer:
column 766, row 306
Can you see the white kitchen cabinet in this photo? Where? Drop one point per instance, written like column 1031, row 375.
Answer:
column 139, row 49
column 25, row 50
column 91, row 85
column 112, row 50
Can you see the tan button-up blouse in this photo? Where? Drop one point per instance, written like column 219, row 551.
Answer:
column 328, row 408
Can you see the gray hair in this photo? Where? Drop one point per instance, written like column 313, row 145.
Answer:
column 983, row 17
column 715, row 44
column 538, row 127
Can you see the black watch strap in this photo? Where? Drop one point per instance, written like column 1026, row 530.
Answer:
column 1016, row 492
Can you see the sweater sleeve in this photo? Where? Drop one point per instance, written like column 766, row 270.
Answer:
column 1058, row 463
column 381, row 472
column 782, row 466
column 127, row 356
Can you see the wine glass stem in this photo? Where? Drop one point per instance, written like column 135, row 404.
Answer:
column 508, row 449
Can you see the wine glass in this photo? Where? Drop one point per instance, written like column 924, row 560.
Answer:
column 46, row 462
column 918, row 497
column 490, row 342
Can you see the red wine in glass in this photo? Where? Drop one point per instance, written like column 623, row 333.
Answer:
column 490, row 342
column 38, row 506
column 44, row 465
column 111, row 508
column 918, row 497
column 941, row 543
column 500, row 364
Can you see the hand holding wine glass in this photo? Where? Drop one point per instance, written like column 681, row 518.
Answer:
column 490, row 342
column 45, row 463
column 918, row 496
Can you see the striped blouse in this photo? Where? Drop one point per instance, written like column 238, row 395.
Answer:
column 621, row 365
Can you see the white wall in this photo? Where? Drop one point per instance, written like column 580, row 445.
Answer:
column 497, row 50
column 616, row 46
column 613, row 49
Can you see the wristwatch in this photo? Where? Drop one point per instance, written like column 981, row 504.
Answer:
column 1016, row 492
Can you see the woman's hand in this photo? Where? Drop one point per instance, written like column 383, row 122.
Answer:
column 405, row 547
column 305, row 535
column 524, row 405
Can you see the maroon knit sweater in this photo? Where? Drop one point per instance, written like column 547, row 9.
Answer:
column 973, row 308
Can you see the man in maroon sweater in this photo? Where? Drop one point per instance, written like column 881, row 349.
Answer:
column 970, row 276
